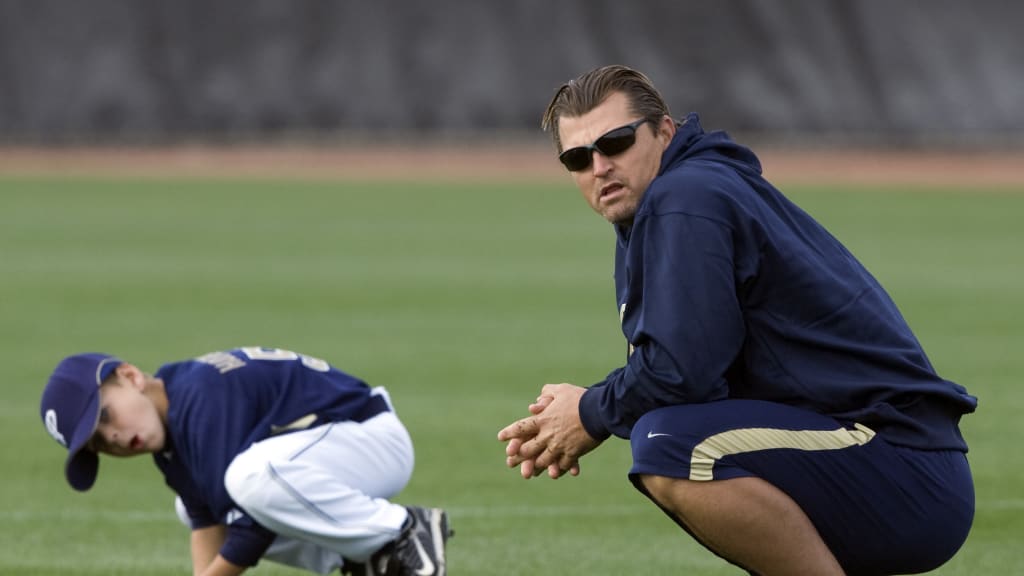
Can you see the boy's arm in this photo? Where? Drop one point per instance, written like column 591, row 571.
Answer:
column 206, row 543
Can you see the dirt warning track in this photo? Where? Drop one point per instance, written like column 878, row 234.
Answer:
column 506, row 162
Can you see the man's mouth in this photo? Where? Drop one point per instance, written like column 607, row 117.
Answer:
column 135, row 444
column 610, row 191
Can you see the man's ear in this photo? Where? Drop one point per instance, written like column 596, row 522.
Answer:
column 667, row 126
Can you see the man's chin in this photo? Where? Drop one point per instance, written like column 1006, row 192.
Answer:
column 619, row 217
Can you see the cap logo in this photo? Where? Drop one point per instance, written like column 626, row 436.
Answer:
column 51, row 427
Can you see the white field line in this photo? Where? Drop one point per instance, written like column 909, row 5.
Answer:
column 502, row 511
column 532, row 511
column 1004, row 504
column 132, row 516
column 529, row 510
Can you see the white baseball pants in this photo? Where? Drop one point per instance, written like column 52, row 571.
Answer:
column 324, row 490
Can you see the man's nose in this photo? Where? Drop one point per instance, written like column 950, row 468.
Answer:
column 601, row 164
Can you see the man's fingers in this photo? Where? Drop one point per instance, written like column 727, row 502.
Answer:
column 540, row 404
column 517, row 435
column 547, row 457
column 556, row 471
column 525, row 428
column 551, row 389
column 544, row 458
column 513, row 447
column 526, row 469
column 530, row 449
column 557, row 463
column 567, row 462
column 525, row 451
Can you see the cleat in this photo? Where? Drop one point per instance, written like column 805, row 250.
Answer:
column 382, row 563
column 420, row 550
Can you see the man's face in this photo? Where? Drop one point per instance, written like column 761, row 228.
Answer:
column 614, row 185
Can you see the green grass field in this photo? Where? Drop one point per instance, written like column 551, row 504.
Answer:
column 463, row 300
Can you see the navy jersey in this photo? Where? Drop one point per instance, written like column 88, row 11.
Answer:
column 726, row 289
column 221, row 403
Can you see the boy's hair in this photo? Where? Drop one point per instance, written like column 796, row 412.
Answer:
column 583, row 94
column 110, row 379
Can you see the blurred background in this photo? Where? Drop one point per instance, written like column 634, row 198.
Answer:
column 872, row 72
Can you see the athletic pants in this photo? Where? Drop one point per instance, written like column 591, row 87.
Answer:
column 879, row 507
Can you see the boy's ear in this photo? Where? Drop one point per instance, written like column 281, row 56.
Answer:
column 132, row 374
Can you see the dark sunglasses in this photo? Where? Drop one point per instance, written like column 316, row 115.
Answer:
column 611, row 143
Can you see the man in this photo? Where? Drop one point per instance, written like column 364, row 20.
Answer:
column 778, row 407
column 271, row 453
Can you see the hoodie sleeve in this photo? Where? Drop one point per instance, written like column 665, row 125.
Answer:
column 683, row 321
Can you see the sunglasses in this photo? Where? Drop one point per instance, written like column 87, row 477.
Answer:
column 611, row 143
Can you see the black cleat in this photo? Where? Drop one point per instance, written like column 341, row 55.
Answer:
column 418, row 551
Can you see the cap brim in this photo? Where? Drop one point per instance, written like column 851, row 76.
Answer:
column 81, row 469
column 82, row 464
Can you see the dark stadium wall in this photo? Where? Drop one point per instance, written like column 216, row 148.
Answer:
column 912, row 72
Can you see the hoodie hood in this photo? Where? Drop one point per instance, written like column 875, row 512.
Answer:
column 691, row 142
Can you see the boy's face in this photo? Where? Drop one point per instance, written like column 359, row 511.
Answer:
column 129, row 422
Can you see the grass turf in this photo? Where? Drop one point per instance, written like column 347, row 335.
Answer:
column 463, row 300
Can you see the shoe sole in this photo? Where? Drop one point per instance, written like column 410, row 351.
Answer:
column 440, row 533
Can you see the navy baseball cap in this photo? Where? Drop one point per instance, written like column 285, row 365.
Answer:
column 70, row 409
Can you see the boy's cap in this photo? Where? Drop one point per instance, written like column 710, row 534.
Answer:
column 70, row 411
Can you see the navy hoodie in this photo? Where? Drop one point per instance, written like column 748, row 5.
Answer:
column 726, row 289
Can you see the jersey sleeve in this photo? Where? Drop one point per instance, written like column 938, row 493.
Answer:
column 199, row 515
column 246, row 542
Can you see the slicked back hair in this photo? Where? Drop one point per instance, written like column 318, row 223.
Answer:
column 583, row 94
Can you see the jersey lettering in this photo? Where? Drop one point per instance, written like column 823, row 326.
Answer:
column 222, row 361
column 257, row 353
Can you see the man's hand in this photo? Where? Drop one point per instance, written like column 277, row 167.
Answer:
column 553, row 438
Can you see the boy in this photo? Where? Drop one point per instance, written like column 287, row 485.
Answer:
column 272, row 454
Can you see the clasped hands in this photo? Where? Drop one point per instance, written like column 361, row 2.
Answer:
column 552, row 438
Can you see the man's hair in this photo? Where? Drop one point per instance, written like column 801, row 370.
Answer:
column 583, row 94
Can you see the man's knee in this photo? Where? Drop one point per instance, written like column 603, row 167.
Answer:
column 656, row 486
column 665, row 491
column 681, row 495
